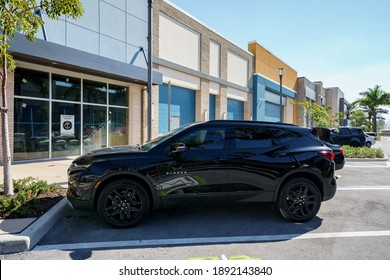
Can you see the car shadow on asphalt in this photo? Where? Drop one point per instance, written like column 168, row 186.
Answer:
column 214, row 221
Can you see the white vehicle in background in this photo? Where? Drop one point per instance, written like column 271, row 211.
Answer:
column 370, row 140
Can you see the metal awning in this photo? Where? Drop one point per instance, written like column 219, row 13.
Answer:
column 55, row 55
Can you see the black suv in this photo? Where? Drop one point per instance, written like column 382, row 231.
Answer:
column 352, row 136
column 229, row 161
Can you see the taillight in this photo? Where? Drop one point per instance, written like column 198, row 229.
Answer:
column 341, row 150
column 327, row 154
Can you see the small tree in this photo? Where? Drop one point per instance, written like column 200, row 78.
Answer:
column 317, row 112
column 359, row 118
column 19, row 15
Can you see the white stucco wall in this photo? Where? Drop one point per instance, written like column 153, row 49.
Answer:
column 178, row 43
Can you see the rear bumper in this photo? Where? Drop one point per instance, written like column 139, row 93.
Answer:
column 330, row 189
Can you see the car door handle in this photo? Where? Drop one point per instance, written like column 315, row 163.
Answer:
column 219, row 160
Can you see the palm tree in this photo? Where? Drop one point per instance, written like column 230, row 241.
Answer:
column 371, row 101
column 351, row 107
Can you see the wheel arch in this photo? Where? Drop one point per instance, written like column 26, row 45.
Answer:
column 300, row 174
column 114, row 176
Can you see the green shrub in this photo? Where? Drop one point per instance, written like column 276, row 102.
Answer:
column 364, row 152
column 26, row 190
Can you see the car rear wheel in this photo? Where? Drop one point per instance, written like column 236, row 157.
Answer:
column 299, row 200
column 355, row 144
column 368, row 144
column 123, row 203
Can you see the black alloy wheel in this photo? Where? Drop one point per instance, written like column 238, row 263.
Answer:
column 123, row 203
column 299, row 200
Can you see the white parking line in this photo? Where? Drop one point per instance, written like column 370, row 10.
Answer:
column 365, row 188
column 387, row 165
column 209, row 240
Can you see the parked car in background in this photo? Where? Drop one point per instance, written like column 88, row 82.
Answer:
column 372, row 134
column 351, row 136
column 323, row 134
column 370, row 140
column 209, row 162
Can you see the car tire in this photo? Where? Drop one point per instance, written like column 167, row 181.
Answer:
column 299, row 200
column 355, row 144
column 123, row 203
column 368, row 144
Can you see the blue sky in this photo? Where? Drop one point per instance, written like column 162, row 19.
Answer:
column 343, row 43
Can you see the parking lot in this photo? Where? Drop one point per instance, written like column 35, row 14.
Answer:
column 353, row 225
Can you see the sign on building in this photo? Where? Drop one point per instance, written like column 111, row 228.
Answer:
column 67, row 125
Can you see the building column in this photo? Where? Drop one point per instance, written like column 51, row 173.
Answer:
column 202, row 102
column 248, row 108
column 135, row 125
column 221, row 104
column 10, row 105
column 145, row 115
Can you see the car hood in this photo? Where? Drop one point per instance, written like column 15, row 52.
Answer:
column 114, row 150
column 106, row 153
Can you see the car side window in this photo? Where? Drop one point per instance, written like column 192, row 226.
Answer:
column 209, row 138
column 344, row 131
column 357, row 131
column 253, row 138
column 285, row 136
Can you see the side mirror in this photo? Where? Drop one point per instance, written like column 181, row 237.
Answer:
column 178, row 148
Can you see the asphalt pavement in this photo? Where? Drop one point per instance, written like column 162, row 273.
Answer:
column 22, row 235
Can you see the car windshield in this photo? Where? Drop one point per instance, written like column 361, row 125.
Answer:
column 150, row 145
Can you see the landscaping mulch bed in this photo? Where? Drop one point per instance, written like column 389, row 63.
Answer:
column 38, row 206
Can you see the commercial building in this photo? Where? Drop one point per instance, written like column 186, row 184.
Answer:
column 314, row 92
column 205, row 76
column 266, row 87
column 83, row 87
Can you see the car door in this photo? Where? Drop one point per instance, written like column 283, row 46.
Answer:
column 257, row 162
column 342, row 137
column 194, row 166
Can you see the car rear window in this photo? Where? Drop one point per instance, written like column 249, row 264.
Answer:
column 285, row 136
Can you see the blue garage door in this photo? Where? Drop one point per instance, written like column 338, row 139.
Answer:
column 235, row 109
column 272, row 112
column 182, row 108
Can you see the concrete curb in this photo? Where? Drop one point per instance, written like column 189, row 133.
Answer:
column 30, row 236
column 366, row 159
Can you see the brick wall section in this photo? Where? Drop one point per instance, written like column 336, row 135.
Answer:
column 207, row 35
column 221, row 104
column 135, row 115
column 202, row 100
column 10, row 105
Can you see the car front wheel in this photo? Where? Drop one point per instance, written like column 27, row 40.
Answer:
column 368, row 144
column 299, row 200
column 123, row 203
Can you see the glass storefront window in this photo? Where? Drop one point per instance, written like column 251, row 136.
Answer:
column 94, row 92
column 118, row 132
column 81, row 115
column 31, row 129
column 94, row 127
column 31, row 83
column 118, row 95
column 65, row 136
column 65, row 88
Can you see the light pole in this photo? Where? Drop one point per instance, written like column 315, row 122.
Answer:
column 150, row 70
column 281, row 96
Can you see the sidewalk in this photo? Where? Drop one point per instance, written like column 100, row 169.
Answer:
column 17, row 235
